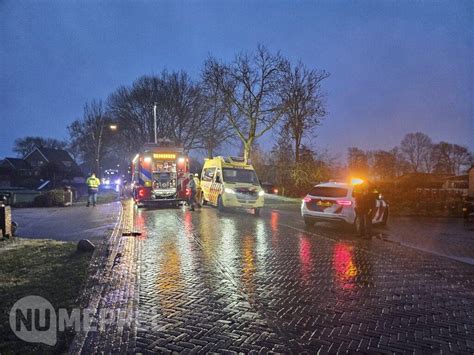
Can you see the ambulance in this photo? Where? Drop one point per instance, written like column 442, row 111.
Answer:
column 230, row 182
column 160, row 175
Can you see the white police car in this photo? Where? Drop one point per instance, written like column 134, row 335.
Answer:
column 334, row 202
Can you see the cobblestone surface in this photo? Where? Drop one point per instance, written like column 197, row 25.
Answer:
column 443, row 236
column 224, row 282
column 111, row 293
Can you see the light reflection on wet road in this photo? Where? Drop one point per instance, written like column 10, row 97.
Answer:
column 212, row 281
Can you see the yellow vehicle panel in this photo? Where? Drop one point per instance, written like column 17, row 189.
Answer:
column 241, row 190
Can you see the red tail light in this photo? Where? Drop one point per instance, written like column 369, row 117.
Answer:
column 344, row 202
column 141, row 192
column 307, row 199
column 188, row 191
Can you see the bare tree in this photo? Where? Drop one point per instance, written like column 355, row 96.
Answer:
column 215, row 130
column 303, row 103
column 90, row 136
column 451, row 158
column 180, row 110
column 248, row 87
column 384, row 165
column 281, row 162
column 417, row 148
column 25, row 145
column 357, row 161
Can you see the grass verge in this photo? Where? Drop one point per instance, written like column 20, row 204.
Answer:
column 45, row 268
column 282, row 203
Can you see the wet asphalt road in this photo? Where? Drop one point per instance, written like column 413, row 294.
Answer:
column 212, row 281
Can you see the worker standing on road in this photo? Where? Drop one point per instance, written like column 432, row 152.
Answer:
column 365, row 206
column 192, row 188
column 198, row 190
column 92, row 189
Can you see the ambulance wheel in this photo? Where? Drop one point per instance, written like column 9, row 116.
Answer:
column 220, row 204
column 256, row 212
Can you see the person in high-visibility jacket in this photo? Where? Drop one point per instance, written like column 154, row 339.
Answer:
column 93, row 184
column 197, row 198
column 192, row 192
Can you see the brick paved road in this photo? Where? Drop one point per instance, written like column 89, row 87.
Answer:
column 213, row 281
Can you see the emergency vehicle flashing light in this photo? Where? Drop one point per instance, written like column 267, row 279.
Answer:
column 356, row 181
column 164, row 156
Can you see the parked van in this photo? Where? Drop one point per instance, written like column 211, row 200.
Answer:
column 230, row 182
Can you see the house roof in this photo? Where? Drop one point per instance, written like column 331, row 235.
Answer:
column 17, row 163
column 58, row 156
column 55, row 155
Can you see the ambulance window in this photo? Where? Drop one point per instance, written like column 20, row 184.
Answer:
column 208, row 174
column 240, row 175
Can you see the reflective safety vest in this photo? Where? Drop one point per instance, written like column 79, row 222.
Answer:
column 197, row 182
column 93, row 182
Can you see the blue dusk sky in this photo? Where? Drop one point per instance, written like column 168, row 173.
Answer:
column 396, row 66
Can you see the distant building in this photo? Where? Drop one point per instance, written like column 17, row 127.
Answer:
column 6, row 175
column 459, row 183
column 56, row 165
column 20, row 166
column 14, row 171
column 471, row 182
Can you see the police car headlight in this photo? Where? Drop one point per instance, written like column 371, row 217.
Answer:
column 261, row 193
column 229, row 191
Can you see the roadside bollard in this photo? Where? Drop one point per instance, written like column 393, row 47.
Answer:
column 5, row 219
column 67, row 196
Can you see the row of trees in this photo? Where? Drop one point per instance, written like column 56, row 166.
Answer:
column 234, row 101
column 23, row 146
column 417, row 153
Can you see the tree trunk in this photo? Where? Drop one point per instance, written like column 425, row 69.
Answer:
column 297, row 147
column 210, row 153
column 247, row 150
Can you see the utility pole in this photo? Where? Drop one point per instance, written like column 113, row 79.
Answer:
column 154, row 119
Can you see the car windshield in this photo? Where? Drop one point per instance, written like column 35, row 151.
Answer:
column 240, row 175
column 326, row 191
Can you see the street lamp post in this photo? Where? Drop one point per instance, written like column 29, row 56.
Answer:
column 154, row 119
